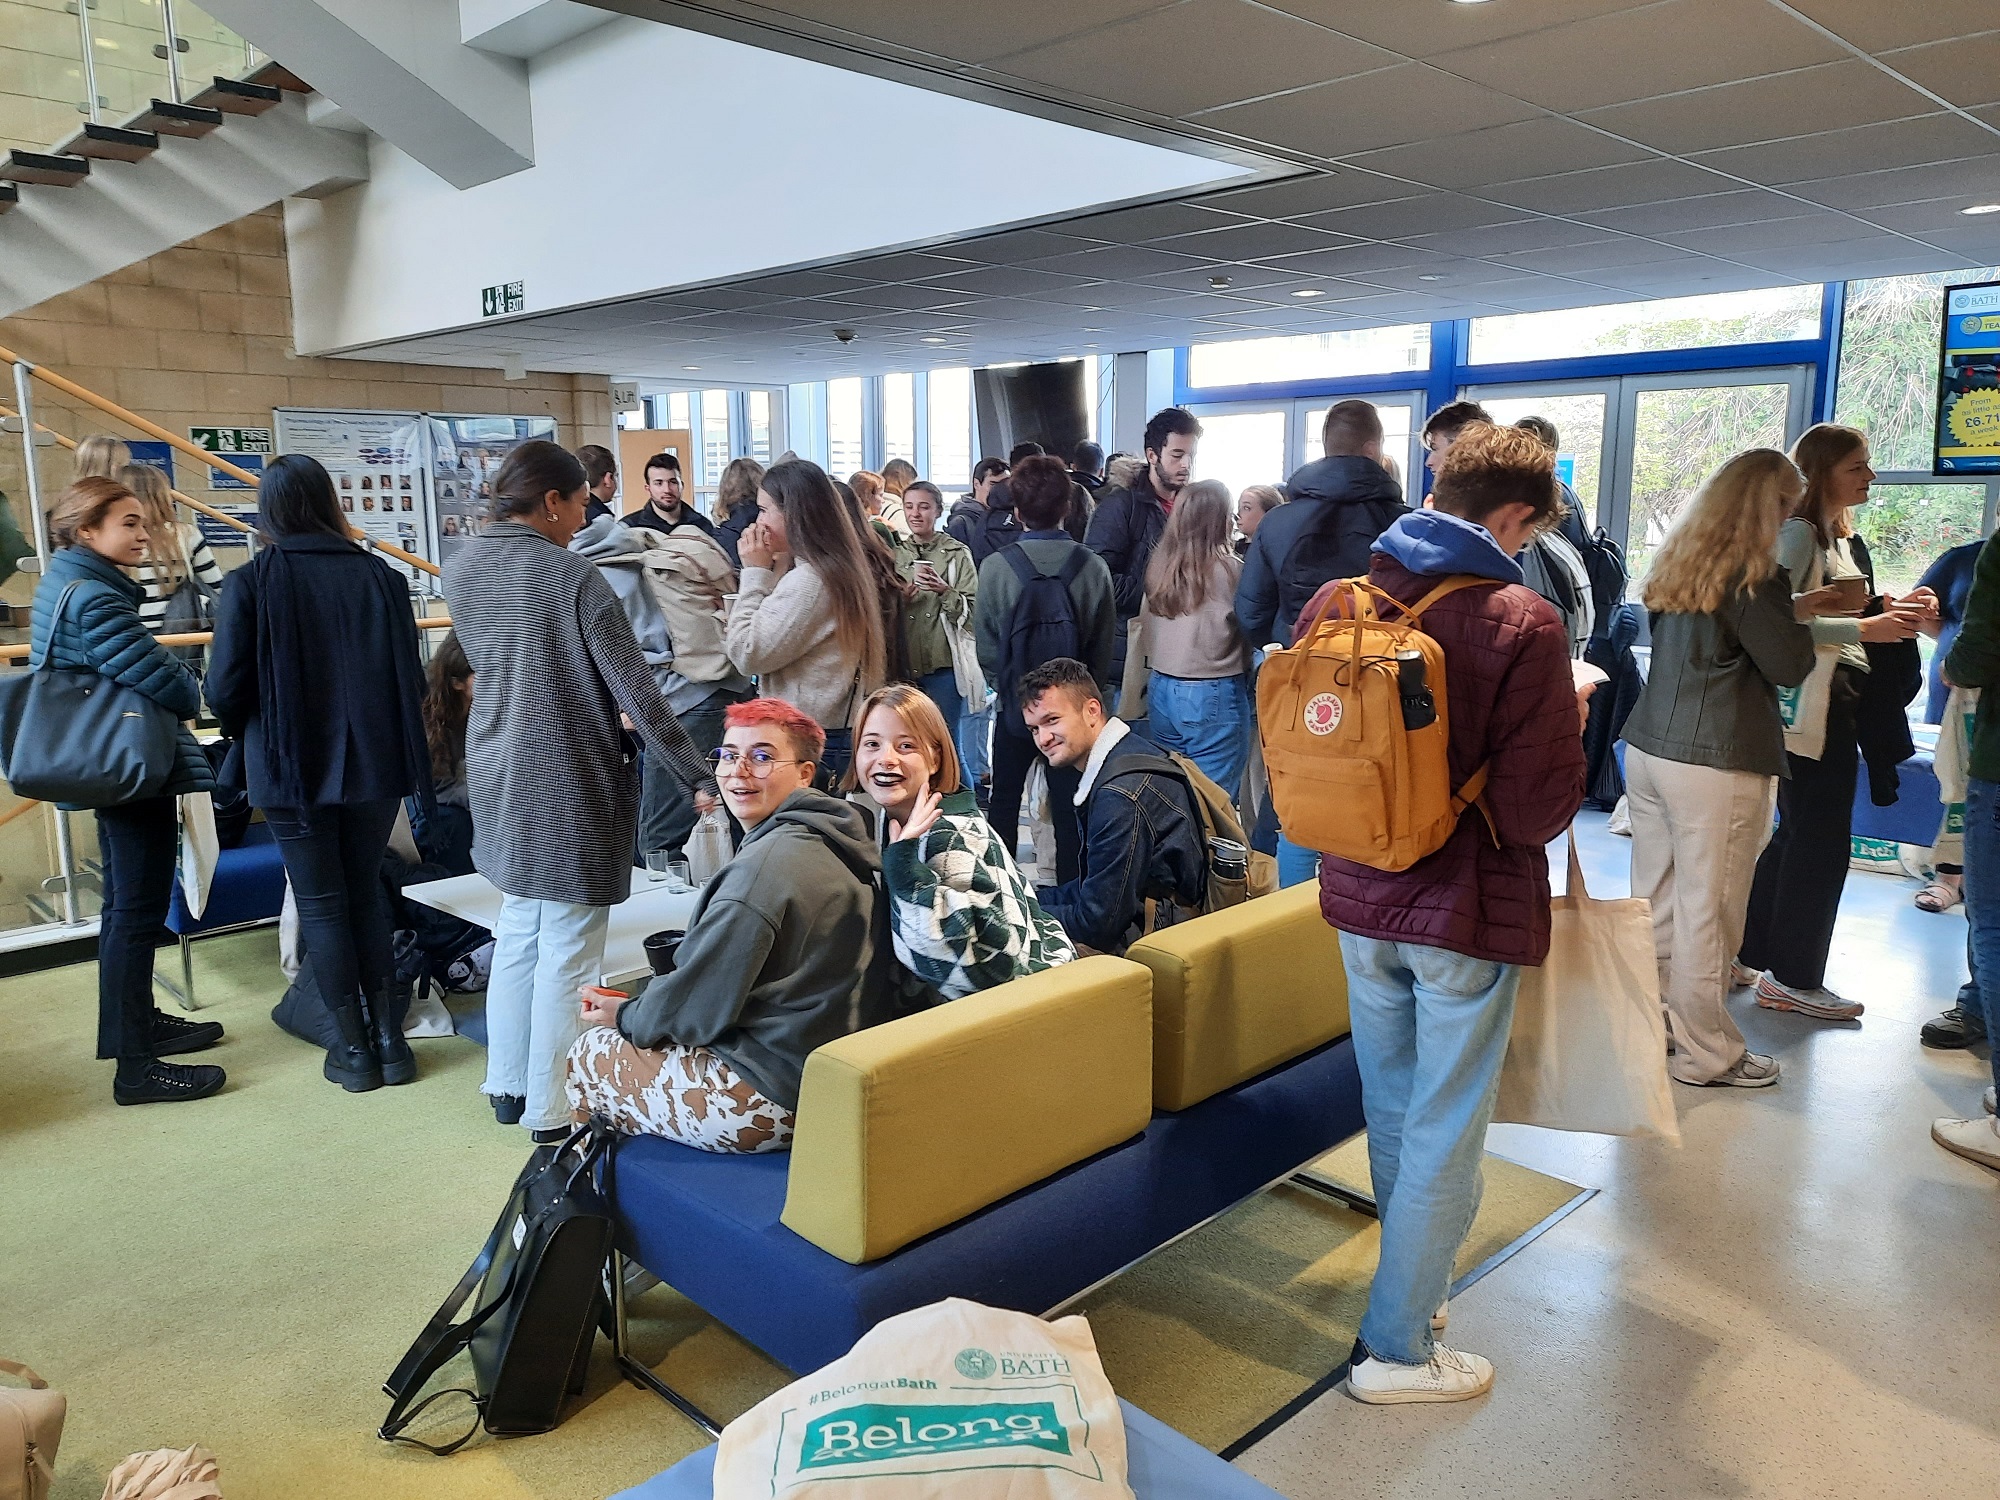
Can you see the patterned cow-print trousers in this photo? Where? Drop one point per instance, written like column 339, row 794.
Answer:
column 687, row 1094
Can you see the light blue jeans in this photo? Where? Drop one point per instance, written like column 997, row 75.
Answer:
column 941, row 687
column 1296, row 864
column 975, row 744
column 543, row 953
column 1430, row 1031
column 1207, row 719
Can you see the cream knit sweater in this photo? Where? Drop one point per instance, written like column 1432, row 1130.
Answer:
column 781, row 631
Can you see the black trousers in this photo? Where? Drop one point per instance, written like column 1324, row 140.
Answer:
column 140, row 842
column 1795, row 895
column 333, row 857
column 1013, row 754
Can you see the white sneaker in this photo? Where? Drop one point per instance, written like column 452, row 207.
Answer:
column 1819, row 1002
column 1741, row 976
column 1753, row 1070
column 1987, row 1101
column 1441, row 1317
column 1975, row 1140
column 1451, row 1375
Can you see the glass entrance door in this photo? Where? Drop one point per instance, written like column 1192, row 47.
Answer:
column 1245, row 443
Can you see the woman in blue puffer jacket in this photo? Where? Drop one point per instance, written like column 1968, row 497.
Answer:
column 99, row 529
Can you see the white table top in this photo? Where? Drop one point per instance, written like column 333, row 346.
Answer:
column 649, row 909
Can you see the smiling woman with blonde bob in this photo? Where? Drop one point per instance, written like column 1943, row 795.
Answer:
column 962, row 915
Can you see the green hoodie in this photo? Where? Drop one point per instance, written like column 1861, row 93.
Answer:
column 782, row 953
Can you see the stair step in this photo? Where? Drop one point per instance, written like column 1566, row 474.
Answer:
column 110, row 143
column 167, row 118
column 278, row 76
column 9, row 196
column 233, row 96
column 43, row 169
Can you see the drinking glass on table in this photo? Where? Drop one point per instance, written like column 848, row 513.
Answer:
column 662, row 868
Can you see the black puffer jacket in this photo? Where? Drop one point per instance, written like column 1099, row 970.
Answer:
column 1338, row 507
column 984, row 529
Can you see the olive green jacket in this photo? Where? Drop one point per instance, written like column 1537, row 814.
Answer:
column 925, row 617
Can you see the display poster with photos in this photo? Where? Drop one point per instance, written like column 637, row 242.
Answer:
column 376, row 459
column 1968, row 409
column 465, row 453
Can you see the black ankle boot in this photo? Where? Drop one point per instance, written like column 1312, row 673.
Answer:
column 350, row 1061
column 399, row 1064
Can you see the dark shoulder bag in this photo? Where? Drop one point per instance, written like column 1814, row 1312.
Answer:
column 75, row 736
column 540, row 1280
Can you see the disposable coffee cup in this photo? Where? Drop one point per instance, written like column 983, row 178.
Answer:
column 1853, row 593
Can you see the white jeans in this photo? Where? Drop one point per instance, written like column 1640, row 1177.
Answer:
column 1696, row 835
column 543, row 953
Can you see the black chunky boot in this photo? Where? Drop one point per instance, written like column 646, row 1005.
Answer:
column 350, row 1062
column 399, row 1064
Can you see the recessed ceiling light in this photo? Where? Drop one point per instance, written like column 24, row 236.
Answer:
column 1309, row 291
column 932, row 338
column 1218, row 282
column 1982, row 208
column 1432, row 276
column 690, row 367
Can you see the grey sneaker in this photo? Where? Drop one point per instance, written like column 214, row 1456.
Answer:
column 1819, row 1002
column 1956, row 1028
column 1753, row 1070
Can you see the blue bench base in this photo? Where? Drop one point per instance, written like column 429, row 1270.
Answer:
column 708, row 1225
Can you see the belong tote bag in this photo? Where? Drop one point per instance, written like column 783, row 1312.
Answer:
column 1589, row 1047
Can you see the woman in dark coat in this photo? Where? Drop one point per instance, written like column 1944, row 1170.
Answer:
column 315, row 669
column 86, row 618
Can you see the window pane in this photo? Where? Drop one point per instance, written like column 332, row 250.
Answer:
column 1395, row 436
column 1682, row 437
column 1888, row 364
column 1776, row 313
column 1579, row 420
column 1242, row 448
column 951, row 427
column 1908, row 526
column 714, row 436
column 678, row 414
column 1312, row 356
column 760, row 426
column 843, row 426
column 899, row 418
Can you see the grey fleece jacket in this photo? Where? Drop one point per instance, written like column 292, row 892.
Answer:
column 786, row 951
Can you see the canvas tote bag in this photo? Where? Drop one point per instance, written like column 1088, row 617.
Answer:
column 1589, row 1046
column 1803, row 708
column 956, row 1398
column 31, row 1426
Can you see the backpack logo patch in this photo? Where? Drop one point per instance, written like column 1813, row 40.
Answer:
column 1322, row 713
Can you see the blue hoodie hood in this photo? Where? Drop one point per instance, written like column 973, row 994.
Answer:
column 1430, row 542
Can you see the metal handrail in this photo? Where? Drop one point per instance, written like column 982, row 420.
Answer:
column 201, row 455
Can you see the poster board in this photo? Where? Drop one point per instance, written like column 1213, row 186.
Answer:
column 376, row 459
column 1967, row 440
column 465, row 452
column 635, row 446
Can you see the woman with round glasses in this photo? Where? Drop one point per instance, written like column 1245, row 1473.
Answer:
column 779, row 958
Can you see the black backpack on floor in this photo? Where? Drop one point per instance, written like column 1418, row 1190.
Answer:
column 1041, row 627
column 540, row 1280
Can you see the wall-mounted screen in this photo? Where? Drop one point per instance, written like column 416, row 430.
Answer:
column 1968, row 409
column 1043, row 404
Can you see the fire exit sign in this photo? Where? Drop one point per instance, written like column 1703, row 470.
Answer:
column 505, row 298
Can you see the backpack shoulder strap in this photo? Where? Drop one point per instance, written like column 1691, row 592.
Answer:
column 1452, row 585
column 1017, row 559
column 1074, row 564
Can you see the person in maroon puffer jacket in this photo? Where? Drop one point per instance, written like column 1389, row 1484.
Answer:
column 1434, row 952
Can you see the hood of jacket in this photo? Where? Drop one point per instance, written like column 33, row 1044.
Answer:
column 608, row 540
column 1346, row 476
column 844, row 827
column 1429, row 542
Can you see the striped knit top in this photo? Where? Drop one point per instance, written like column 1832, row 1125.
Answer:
column 553, row 785
column 201, row 563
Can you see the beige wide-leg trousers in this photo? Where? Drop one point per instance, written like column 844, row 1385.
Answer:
column 1696, row 835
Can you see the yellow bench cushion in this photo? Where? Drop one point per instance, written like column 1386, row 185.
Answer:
column 1239, row 991
column 910, row 1126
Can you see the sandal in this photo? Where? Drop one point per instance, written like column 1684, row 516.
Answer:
column 1937, row 896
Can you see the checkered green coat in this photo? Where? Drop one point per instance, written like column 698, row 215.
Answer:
column 962, row 915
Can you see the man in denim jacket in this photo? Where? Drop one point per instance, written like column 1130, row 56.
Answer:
column 1142, row 836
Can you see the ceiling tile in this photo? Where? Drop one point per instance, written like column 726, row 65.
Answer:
column 1866, row 148
column 1243, row 278
column 1744, row 206
column 1315, row 193
column 970, row 33
column 1252, row 242
column 1965, row 71
column 1974, row 180
column 1508, row 239
column 1571, row 260
column 1775, row 234
column 1117, row 262
column 909, row 266
column 1144, row 64
column 1921, row 219
column 1411, row 102
column 805, row 284
column 1426, row 30
column 1005, row 281
column 892, row 295
column 1359, row 260
column 1976, row 245
column 1653, row 181
column 1018, row 245
column 1544, row 145
column 1878, row 25
column 1439, row 213
column 1829, row 97
column 1152, row 221
column 1633, row 54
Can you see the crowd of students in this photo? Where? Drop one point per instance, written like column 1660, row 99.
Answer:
column 868, row 681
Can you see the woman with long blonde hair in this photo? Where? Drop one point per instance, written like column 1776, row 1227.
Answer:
column 1705, row 746
column 101, row 456
column 179, row 575
column 1795, row 896
column 1198, row 696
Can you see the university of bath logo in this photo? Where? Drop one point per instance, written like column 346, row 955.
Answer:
column 975, row 1364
